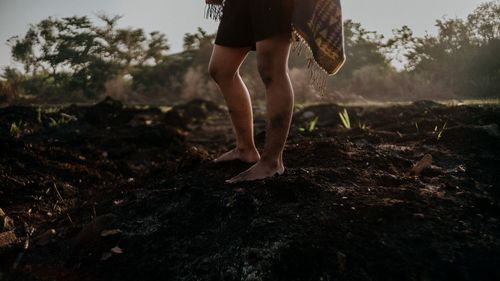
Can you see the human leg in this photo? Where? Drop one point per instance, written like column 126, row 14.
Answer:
column 272, row 61
column 224, row 69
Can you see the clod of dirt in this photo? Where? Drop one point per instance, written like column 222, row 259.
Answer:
column 107, row 112
column 7, row 239
column 110, row 232
column 432, row 171
column 424, row 163
column 327, row 114
column 6, row 223
column 192, row 157
column 192, row 113
column 45, row 238
column 90, row 232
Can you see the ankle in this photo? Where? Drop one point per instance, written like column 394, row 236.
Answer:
column 246, row 148
column 272, row 162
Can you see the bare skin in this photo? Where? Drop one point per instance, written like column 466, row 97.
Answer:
column 224, row 68
column 272, row 62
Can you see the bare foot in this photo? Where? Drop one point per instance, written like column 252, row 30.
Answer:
column 259, row 170
column 248, row 156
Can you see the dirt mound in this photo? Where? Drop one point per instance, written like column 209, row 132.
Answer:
column 193, row 113
column 130, row 195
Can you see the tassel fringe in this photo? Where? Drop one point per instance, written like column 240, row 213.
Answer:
column 317, row 75
column 214, row 11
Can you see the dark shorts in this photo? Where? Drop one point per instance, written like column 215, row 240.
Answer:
column 245, row 22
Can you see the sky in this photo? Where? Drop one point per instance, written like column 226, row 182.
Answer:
column 177, row 17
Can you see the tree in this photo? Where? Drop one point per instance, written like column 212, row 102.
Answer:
column 362, row 48
column 463, row 54
column 75, row 55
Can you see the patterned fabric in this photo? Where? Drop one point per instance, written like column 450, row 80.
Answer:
column 317, row 28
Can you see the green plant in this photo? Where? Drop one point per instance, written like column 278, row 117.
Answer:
column 51, row 109
column 15, row 128
column 39, row 115
column 440, row 132
column 362, row 126
column 311, row 125
column 344, row 117
column 52, row 122
column 65, row 118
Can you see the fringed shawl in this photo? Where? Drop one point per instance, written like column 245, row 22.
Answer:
column 317, row 28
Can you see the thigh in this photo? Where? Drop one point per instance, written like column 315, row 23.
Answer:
column 227, row 60
column 235, row 27
column 271, row 17
column 273, row 53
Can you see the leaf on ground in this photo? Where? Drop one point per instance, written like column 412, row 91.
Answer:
column 110, row 232
column 424, row 163
column 116, row 250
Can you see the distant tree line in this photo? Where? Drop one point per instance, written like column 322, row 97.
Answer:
column 74, row 60
column 461, row 61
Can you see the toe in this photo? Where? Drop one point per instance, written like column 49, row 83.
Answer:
column 227, row 156
column 240, row 177
column 232, row 180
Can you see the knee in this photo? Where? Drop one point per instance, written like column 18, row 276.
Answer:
column 213, row 71
column 271, row 69
column 219, row 73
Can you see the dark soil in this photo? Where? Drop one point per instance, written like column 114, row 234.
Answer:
column 107, row 192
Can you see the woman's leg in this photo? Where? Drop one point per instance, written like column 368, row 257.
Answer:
column 272, row 61
column 224, row 68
